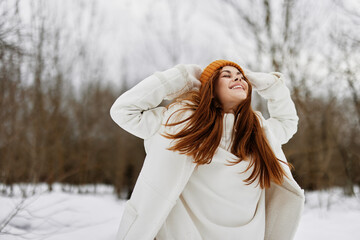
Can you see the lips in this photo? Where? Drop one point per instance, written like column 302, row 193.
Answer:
column 237, row 86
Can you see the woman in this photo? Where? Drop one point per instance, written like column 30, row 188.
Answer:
column 214, row 168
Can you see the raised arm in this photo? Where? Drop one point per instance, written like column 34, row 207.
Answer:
column 137, row 111
column 283, row 119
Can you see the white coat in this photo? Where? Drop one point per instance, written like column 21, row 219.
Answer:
column 165, row 173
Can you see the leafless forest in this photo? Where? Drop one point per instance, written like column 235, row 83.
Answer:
column 56, row 93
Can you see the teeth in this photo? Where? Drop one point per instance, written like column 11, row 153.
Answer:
column 237, row 87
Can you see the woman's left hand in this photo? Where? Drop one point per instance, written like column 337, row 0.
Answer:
column 260, row 80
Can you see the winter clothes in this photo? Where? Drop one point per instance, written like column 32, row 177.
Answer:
column 210, row 69
column 172, row 200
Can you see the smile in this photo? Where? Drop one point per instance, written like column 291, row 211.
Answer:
column 238, row 87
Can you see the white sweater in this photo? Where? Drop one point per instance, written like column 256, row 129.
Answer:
column 216, row 203
column 173, row 200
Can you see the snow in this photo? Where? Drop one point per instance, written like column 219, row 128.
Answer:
column 330, row 215
column 59, row 215
column 95, row 216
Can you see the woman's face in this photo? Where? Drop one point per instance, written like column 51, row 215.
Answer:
column 231, row 88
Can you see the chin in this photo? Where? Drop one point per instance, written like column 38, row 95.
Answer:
column 241, row 98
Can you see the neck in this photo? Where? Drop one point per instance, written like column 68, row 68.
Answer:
column 228, row 109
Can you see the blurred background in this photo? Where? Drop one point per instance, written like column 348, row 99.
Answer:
column 64, row 63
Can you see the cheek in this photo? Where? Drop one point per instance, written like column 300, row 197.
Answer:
column 247, row 85
column 221, row 90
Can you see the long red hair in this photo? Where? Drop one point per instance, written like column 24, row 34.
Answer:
column 202, row 133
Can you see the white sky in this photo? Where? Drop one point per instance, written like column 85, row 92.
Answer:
column 135, row 38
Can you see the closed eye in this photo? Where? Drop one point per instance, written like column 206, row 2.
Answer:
column 242, row 78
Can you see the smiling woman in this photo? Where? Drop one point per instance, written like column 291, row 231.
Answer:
column 218, row 171
column 226, row 94
column 231, row 88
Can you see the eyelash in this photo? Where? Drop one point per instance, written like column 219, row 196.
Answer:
column 229, row 76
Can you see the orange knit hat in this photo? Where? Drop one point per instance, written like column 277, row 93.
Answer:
column 210, row 69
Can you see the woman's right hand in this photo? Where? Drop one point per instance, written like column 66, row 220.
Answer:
column 194, row 72
column 137, row 110
column 188, row 79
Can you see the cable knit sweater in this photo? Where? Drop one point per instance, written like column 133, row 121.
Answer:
column 173, row 200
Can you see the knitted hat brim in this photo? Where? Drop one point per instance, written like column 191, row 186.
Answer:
column 212, row 67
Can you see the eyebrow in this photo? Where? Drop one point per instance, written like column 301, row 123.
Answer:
column 229, row 71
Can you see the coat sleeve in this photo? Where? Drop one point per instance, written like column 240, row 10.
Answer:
column 137, row 110
column 162, row 178
column 283, row 119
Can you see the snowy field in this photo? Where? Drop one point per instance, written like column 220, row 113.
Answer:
column 73, row 216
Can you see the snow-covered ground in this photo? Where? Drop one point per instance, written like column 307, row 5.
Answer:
column 330, row 215
column 73, row 216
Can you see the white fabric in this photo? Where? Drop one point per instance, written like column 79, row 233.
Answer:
column 217, row 202
column 172, row 200
column 259, row 80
